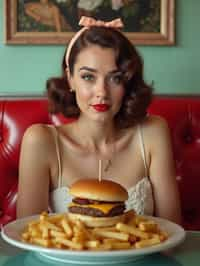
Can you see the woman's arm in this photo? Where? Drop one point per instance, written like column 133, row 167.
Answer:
column 57, row 18
column 162, row 171
column 30, row 10
column 34, row 173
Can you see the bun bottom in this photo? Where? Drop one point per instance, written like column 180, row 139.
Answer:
column 97, row 221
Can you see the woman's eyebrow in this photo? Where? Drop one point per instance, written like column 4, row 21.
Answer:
column 87, row 68
column 115, row 71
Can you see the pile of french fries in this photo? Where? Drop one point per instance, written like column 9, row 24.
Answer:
column 58, row 231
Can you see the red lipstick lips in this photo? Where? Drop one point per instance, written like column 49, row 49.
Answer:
column 101, row 107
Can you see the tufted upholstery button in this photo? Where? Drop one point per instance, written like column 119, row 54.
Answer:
column 190, row 215
column 178, row 178
column 188, row 139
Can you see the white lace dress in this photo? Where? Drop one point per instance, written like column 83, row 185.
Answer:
column 140, row 196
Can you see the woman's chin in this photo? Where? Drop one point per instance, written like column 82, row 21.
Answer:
column 104, row 119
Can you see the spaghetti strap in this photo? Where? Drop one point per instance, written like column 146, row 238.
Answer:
column 143, row 149
column 55, row 132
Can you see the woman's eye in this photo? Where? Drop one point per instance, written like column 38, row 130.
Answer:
column 87, row 77
column 117, row 79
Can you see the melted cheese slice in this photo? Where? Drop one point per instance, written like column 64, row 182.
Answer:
column 105, row 208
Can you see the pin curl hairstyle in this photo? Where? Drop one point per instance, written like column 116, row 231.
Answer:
column 138, row 94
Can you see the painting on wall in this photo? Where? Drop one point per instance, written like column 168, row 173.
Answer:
column 146, row 22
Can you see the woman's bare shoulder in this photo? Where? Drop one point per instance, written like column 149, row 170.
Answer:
column 155, row 131
column 38, row 134
column 155, row 123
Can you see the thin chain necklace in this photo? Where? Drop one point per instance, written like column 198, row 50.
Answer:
column 108, row 162
column 108, row 165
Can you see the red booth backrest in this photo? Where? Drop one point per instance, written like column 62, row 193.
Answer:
column 182, row 114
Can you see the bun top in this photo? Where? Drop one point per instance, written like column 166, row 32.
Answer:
column 104, row 190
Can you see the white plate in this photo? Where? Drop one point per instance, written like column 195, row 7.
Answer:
column 11, row 233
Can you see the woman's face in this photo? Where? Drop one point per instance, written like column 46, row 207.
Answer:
column 44, row 1
column 98, row 83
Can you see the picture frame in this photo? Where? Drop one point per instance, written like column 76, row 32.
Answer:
column 24, row 26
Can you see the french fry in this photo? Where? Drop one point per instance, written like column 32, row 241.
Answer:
column 25, row 236
column 115, row 235
column 43, row 216
column 79, row 236
column 66, row 227
column 80, row 227
column 56, row 218
column 131, row 230
column 52, row 226
column 55, row 244
column 41, row 241
column 44, row 230
column 109, row 240
column 32, row 223
column 56, row 234
column 163, row 235
column 137, row 220
column 148, row 226
column 121, row 245
column 147, row 242
column 106, row 246
column 111, row 228
column 92, row 244
column 69, row 243
column 35, row 232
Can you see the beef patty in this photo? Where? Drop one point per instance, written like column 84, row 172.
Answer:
column 90, row 211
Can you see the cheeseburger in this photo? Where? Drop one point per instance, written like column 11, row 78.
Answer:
column 97, row 203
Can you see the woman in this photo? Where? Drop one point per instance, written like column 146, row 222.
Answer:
column 102, row 86
column 48, row 14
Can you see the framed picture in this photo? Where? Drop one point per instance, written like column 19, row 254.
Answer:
column 146, row 22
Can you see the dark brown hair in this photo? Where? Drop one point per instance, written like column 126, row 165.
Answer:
column 138, row 94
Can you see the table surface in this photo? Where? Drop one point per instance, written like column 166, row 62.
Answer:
column 186, row 254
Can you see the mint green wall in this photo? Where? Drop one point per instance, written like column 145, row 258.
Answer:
column 176, row 69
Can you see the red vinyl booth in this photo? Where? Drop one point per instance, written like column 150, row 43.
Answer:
column 181, row 113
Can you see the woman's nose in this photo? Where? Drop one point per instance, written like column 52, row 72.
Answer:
column 101, row 88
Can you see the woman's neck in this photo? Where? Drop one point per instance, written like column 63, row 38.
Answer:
column 96, row 135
